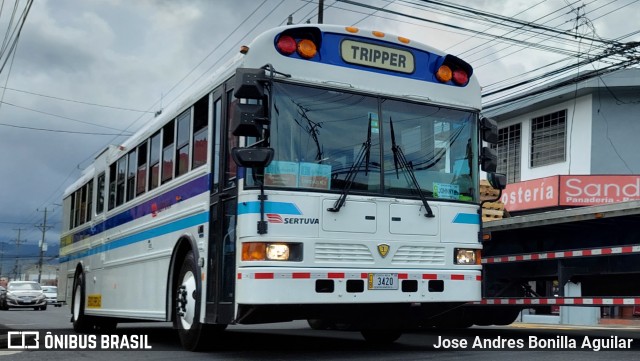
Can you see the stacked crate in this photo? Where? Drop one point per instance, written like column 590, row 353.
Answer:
column 490, row 210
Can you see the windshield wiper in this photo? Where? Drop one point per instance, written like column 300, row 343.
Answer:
column 398, row 157
column 363, row 156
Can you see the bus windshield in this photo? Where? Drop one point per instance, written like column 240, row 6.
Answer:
column 319, row 135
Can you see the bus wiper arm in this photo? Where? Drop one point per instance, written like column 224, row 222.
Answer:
column 398, row 157
column 363, row 156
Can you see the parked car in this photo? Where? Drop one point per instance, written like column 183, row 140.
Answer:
column 51, row 292
column 23, row 294
column 3, row 296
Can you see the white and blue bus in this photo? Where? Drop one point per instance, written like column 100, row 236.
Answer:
column 326, row 173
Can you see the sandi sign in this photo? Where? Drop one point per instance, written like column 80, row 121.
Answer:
column 589, row 190
column 570, row 190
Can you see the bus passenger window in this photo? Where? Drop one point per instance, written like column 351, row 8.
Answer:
column 200, row 132
column 89, row 200
column 182, row 143
column 141, row 180
column 131, row 175
column 112, row 186
column 154, row 161
column 100, row 198
column 120, row 183
column 167, row 152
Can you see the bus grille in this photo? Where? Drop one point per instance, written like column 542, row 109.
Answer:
column 343, row 253
column 419, row 255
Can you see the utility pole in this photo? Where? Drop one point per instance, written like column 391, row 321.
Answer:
column 320, row 11
column 43, row 227
column 1, row 256
column 16, row 268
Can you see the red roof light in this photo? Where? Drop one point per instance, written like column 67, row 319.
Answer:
column 286, row 45
column 460, row 77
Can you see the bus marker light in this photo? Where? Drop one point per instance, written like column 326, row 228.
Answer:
column 253, row 251
column 444, row 74
column 244, row 49
column 379, row 34
column 307, row 48
column 403, row 40
column 352, row 29
column 460, row 77
column 286, row 45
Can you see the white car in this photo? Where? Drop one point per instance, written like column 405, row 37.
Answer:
column 51, row 292
column 24, row 294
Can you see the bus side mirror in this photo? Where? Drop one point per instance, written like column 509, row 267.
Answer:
column 488, row 160
column 249, row 117
column 497, row 180
column 252, row 157
column 250, row 83
column 248, row 120
column 489, row 129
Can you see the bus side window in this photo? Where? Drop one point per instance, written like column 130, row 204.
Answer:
column 112, row 186
column 141, row 176
column 131, row 175
column 120, row 180
column 100, row 198
column 168, row 133
column 200, row 132
column 89, row 200
column 182, row 143
column 154, row 161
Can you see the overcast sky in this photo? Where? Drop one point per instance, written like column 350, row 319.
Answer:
column 103, row 67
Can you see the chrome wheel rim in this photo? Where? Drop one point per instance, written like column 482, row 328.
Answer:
column 188, row 285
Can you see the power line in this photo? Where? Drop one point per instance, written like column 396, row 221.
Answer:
column 62, row 117
column 76, row 101
column 56, row 130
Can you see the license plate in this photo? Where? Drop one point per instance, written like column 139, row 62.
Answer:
column 383, row 281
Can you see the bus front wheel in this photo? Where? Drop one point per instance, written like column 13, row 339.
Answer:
column 81, row 322
column 193, row 334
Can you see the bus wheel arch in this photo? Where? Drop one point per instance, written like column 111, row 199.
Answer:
column 184, row 245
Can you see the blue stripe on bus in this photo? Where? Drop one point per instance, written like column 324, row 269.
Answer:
column 162, row 201
column 466, row 218
column 269, row 207
column 142, row 236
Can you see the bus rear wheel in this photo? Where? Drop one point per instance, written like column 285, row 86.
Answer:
column 193, row 334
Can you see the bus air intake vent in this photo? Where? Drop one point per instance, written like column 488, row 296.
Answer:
column 342, row 253
column 419, row 255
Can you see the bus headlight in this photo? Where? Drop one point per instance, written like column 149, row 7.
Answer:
column 266, row 251
column 467, row 256
column 277, row 252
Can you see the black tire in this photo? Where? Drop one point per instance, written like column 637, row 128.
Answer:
column 81, row 322
column 42, row 308
column 36, row 308
column 381, row 337
column 194, row 335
